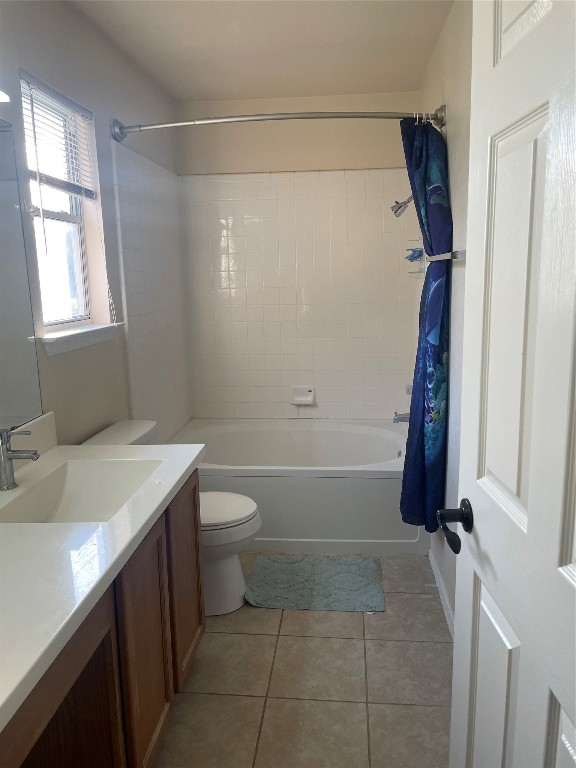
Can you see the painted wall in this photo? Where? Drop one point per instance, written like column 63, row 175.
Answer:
column 294, row 145
column 72, row 383
column 86, row 389
column 448, row 81
column 148, row 199
column 300, row 278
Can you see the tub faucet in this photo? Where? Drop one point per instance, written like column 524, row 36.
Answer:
column 7, row 456
column 398, row 417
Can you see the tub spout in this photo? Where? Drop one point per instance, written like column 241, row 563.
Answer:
column 398, row 417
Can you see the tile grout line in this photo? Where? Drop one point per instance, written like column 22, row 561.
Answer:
column 337, row 637
column 267, row 691
column 304, row 637
column 403, row 640
column 332, row 701
column 366, row 686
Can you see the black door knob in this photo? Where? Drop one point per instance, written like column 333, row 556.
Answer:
column 462, row 515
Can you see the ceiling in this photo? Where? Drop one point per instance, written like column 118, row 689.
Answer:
column 258, row 49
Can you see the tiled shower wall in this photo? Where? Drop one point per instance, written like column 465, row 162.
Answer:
column 300, row 278
column 147, row 200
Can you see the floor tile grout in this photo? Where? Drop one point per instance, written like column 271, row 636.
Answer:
column 324, row 637
column 403, row 640
column 267, row 691
column 218, row 693
column 301, row 698
column 366, row 686
column 350, row 701
column 401, row 704
column 334, row 637
column 238, row 632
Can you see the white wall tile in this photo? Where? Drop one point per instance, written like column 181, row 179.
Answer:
column 299, row 278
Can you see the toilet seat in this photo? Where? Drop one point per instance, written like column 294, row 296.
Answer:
column 220, row 510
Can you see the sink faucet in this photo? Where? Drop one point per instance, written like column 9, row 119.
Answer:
column 398, row 417
column 7, row 456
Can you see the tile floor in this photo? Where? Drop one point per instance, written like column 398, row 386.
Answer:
column 321, row 689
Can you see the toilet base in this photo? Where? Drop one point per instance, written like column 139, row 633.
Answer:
column 224, row 585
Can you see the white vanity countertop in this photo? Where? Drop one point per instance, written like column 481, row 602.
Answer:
column 53, row 574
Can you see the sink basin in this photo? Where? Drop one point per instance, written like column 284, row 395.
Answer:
column 78, row 491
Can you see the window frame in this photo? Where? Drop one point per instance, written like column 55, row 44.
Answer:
column 77, row 193
column 81, row 257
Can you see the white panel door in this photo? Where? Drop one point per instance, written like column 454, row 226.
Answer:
column 514, row 656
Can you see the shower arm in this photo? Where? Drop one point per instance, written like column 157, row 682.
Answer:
column 119, row 131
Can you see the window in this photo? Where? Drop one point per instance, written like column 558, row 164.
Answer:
column 58, row 134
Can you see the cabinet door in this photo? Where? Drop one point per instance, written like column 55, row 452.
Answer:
column 145, row 653
column 185, row 577
column 73, row 717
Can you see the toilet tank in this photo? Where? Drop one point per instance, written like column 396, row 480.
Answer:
column 128, row 432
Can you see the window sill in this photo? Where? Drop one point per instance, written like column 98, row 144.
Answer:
column 65, row 341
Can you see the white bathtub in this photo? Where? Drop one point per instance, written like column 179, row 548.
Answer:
column 321, row 486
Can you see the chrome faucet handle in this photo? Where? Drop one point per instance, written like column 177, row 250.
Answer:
column 14, row 431
column 6, row 436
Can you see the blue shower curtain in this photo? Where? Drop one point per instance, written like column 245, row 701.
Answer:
column 424, row 478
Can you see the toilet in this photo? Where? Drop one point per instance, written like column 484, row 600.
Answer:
column 228, row 520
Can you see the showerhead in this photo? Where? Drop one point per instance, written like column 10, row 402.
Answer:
column 399, row 208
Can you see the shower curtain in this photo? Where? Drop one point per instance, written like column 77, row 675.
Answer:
column 424, row 477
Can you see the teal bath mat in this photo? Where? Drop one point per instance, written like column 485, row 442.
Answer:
column 308, row 582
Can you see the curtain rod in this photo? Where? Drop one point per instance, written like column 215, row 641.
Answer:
column 119, row 131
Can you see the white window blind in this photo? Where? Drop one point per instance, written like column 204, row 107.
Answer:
column 58, row 133
column 59, row 151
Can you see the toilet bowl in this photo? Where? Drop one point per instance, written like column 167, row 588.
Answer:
column 229, row 521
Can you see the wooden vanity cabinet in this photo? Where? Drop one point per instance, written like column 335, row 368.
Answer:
column 145, row 646
column 187, row 619
column 105, row 700
column 73, row 717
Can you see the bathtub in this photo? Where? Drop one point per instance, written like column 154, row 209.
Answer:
column 321, row 486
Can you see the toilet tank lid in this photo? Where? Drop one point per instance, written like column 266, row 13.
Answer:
column 128, row 432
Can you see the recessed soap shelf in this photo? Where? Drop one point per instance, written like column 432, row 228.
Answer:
column 303, row 396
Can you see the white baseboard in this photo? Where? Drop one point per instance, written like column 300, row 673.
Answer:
column 443, row 593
